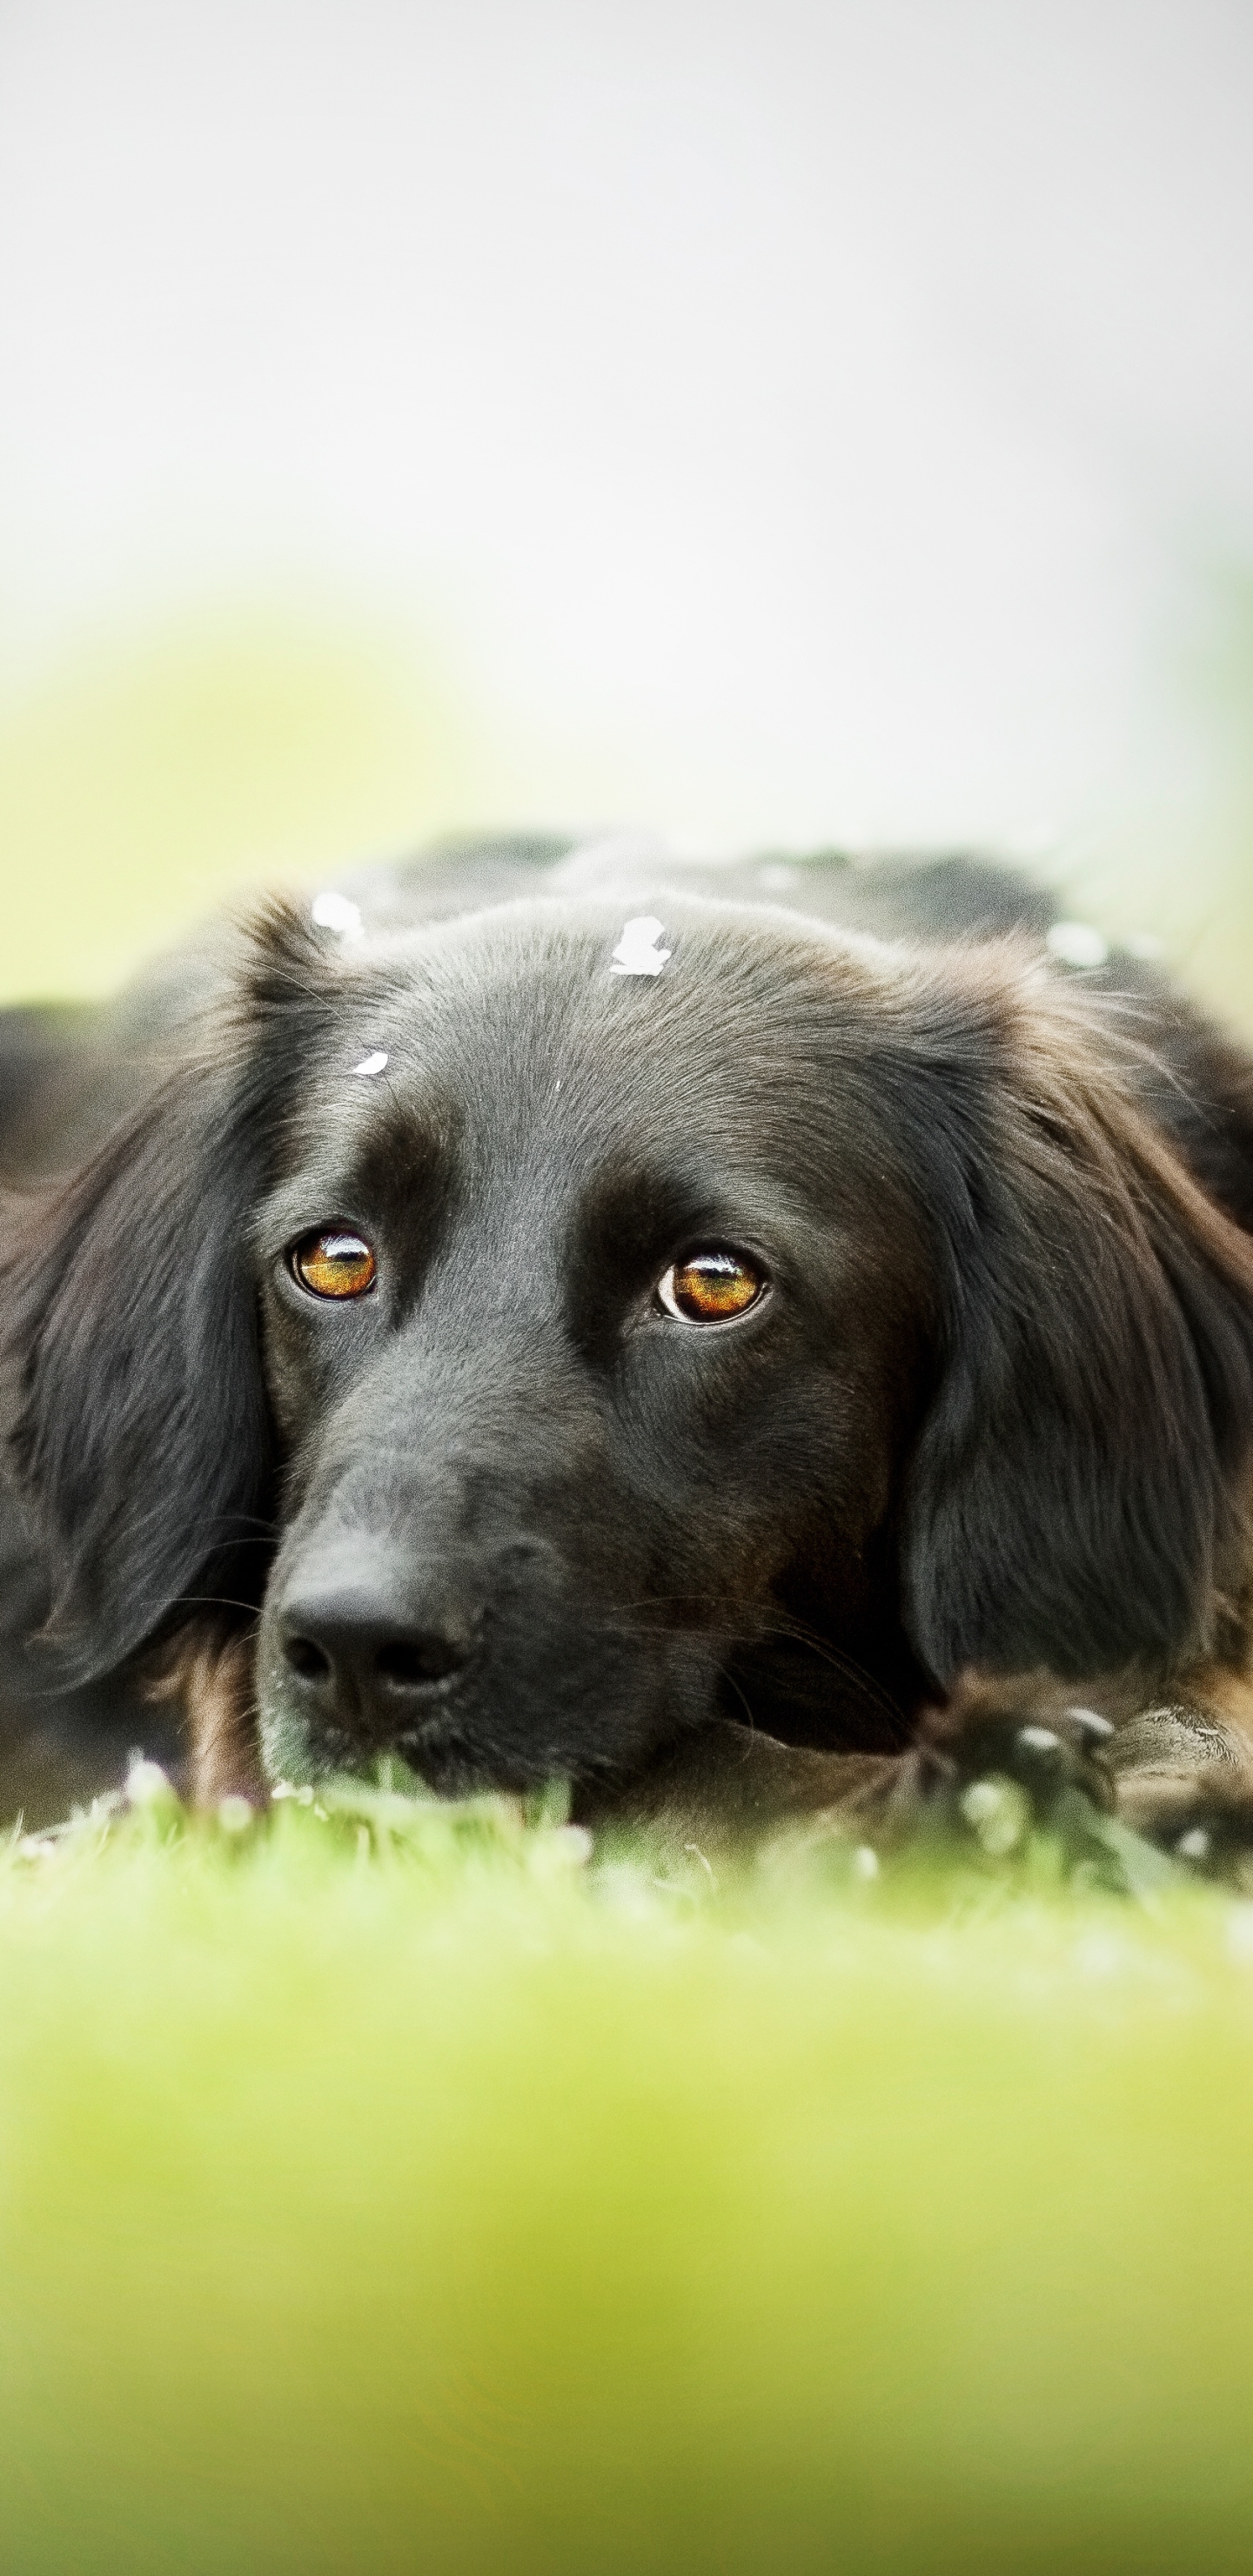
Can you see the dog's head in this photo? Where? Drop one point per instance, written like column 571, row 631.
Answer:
column 547, row 1350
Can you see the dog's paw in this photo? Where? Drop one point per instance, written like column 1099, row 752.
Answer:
column 1049, row 1757
column 1022, row 1734
column 1008, row 1774
column 1184, row 1781
column 1170, row 1787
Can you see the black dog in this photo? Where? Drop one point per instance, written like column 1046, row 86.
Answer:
column 566, row 1314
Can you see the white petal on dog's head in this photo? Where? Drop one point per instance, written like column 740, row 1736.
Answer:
column 638, row 951
column 371, row 1063
column 337, row 912
column 1078, row 944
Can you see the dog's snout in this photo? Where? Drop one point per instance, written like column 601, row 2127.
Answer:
column 374, row 1654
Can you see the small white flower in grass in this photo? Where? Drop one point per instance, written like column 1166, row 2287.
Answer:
column 371, row 1064
column 865, row 1861
column 550, row 1853
column 236, row 1815
column 337, row 912
column 1194, row 1845
column 638, row 951
column 150, row 1788
column 1039, row 1739
column 1078, row 944
column 706, row 1864
column 574, row 1844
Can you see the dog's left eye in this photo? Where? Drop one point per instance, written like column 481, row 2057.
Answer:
column 711, row 1287
column 334, row 1263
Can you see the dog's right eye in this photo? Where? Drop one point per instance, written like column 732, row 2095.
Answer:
column 334, row 1263
column 711, row 1287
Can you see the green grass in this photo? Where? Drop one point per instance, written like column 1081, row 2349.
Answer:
column 391, row 2190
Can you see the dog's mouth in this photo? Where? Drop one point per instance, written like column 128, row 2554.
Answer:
column 507, row 1702
column 451, row 1760
column 440, row 1756
column 298, row 1745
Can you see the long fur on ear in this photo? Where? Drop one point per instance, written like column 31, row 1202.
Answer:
column 1078, row 1496
column 138, row 1429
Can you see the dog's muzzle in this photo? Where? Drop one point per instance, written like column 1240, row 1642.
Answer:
column 492, row 1670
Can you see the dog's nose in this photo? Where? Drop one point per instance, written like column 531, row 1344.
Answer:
column 362, row 1656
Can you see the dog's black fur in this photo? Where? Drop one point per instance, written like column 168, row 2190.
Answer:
column 507, row 1516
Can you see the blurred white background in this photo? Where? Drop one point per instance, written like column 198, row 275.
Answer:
column 781, row 423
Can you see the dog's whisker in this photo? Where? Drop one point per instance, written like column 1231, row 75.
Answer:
column 733, row 1685
column 216, row 1601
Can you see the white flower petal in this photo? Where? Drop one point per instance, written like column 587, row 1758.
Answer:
column 1078, row 944
column 638, row 951
column 337, row 912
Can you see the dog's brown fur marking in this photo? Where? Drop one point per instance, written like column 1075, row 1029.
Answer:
column 208, row 1672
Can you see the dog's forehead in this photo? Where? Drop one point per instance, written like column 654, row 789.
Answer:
column 654, row 1014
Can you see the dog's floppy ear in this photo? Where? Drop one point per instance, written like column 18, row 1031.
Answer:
column 129, row 1333
column 1077, row 1499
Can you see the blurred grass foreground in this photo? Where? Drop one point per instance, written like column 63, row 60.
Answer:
column 392, row 2188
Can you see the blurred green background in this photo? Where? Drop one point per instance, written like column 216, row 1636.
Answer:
column 147, row 778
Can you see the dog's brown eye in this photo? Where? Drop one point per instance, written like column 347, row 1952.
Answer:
column 710, row 1287
column 334, row 1263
